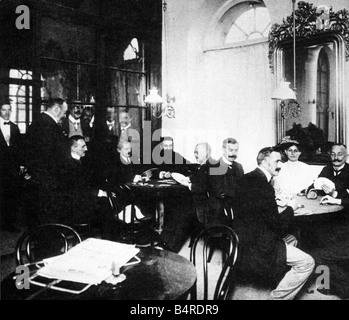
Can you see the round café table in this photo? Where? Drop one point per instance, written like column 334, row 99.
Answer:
column 158, row 190
column 317, row 223
column 313, row 206
column 160, row 275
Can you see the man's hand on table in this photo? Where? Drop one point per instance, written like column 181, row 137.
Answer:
column 330, row 200
column 293, row 203
column 165, row 175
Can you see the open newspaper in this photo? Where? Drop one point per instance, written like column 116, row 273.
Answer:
column 90, row 262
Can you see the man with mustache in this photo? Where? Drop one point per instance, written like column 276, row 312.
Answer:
column 263, row 253
column 326, row 236
column 225, row 178
column 338, row 172
column 73, row 124
column 127, row 133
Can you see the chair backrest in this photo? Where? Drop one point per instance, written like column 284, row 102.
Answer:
column 45, row 241
column 131, row 229
column 225, row 282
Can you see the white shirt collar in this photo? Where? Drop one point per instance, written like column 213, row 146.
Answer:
column 110, row 123
column 339, row 168
column 49, row 114
column 267, row 174
column 126, row 160
column 2, row 120
column 75, row 156
column 72, row 119
column 124, row 128
column 229, row 163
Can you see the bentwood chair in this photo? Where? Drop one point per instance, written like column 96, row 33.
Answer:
column 45, row 241
column 225, row 283
column 131, row 229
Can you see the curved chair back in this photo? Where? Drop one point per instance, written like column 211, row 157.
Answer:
column 225, row 282
column 131, row 229
column 45, row 241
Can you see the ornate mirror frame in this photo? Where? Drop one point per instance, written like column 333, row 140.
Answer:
column 317, row 28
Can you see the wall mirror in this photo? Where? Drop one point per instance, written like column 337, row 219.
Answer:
column 317, row 74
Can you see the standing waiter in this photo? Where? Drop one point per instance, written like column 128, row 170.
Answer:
column 11, row 166
column 45, row 147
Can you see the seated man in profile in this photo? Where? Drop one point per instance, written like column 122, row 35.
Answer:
column 188, row 216
column 80, row 199
column 121, row 169
column 261, row 229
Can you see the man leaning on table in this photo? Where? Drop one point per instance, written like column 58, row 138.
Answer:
column 338, row 173
column 264, row 254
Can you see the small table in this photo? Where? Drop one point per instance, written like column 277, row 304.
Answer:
column 315, row 222
column 161, row 275
column 158, row 189
column 313, row 206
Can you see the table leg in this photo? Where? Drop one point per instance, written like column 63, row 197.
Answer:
column 160, row 216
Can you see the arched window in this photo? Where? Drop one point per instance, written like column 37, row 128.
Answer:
column 132, row 51
column 251, row 21
column 322, row 94
column 21, row 96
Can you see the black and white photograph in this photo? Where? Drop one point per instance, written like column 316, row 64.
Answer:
column 184, row 150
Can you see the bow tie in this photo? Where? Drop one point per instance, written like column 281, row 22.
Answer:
column 8, row 122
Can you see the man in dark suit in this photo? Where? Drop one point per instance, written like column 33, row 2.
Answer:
column 261, row 229
column 338, row 173
column 326, row 237
column 45, row 147
column 107, row 128
column 73, row 124
column 225, row 177
column 167, row 160
column 121, row 169
column 11, row 167
column 128, row 133
column 80, row 198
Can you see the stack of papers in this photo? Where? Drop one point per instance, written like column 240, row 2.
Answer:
column 90, row 262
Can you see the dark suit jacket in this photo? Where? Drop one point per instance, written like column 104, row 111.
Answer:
column 11, row 157
column 208, row 210
column 75, row 198
column 341, row 181
column 85, row 127
column 261, row 227
column 119, row 172
column 172, row 162
column 225, row 183
column 45, row 147
column 225, row 179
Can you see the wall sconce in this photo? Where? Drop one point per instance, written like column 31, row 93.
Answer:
column 284, row 93
column 154, row 100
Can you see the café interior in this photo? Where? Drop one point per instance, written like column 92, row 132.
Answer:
column 197, row 71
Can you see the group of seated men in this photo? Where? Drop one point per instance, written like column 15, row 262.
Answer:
column 62, row 187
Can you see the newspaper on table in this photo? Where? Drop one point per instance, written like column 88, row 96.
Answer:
column 90, row 262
